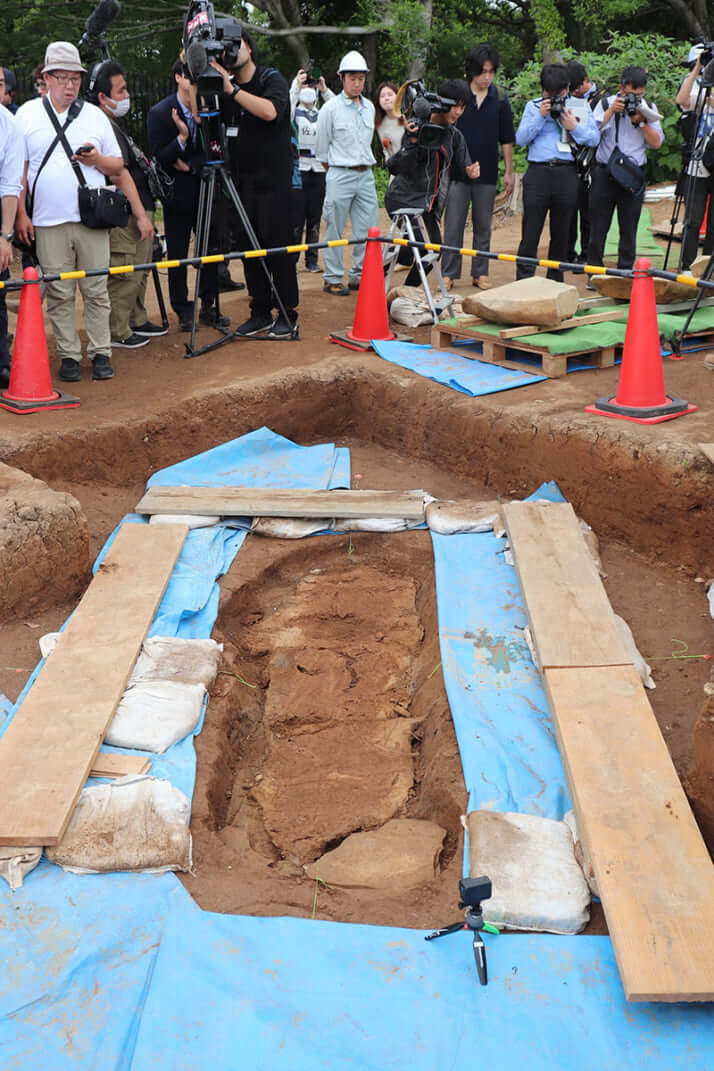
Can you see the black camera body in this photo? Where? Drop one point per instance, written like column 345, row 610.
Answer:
column 418, row 105
column 556, row 107
column 473, row 890
column 632, row 103
column 707, row 53
column 314, row 74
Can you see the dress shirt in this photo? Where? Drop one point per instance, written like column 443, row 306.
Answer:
column 345, row 129
column 630, row 139
column 190, row 123
column 12, row 155
column 546, row 139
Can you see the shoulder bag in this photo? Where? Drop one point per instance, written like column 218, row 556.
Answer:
column 623, row 170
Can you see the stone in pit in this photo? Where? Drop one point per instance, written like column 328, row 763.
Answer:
column 320, row 787
column 44, row 545
column 402, row 854
column 527, row 301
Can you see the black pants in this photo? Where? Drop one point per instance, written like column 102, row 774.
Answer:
column 696, row 205
column 433, row 234
column 582, row 213
column 4, row 349
column 547, row 188
column 308, row 211
column 179, row 222
column 270, row 215
column 605, row 196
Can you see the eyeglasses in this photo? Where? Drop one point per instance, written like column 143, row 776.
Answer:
column 66, row 79
column 39, row 85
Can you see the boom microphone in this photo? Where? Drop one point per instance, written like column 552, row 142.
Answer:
column 104, row 13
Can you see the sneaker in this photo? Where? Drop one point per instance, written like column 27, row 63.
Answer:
column 209, row 316
column 148, row 330
column 338, row 289
column 69, row 370
column 131, row 342
column 353, row 284
column 259, row 321
column 282, row 328
column 101, row 368
column 4, row 377
column 312, row 267
column 185, row 323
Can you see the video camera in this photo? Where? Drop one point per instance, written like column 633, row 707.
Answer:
column 207, row 38
column 417, row 105
column 707, row 53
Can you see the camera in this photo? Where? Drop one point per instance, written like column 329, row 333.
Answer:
column 207, row 38
column 632, row 103
column 314, row 74
column 556, row 107
column 473, row 890
column 707, row 53
column 417, row 105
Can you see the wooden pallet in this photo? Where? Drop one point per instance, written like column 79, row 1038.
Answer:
column 494, row 350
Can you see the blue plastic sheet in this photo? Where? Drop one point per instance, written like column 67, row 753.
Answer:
column 460, row 373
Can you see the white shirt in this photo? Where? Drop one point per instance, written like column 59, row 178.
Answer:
column 55, row 196
column 630, row 139
column 12, row 158
column 344, row 132
column 706, row 123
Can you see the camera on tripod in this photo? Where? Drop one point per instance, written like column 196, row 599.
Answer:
column 207, row 38
column 417, row 104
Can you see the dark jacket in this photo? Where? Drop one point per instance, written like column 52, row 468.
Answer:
column 421, row 176
column 165, row 146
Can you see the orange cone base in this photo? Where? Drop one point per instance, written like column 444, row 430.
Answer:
column 57, row 400
column 657, row 414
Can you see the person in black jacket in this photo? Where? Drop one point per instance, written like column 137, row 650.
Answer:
column 175, row 142
column 421, row 176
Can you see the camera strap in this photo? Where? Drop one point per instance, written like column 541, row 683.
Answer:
column 74, row 110
column 62, row 137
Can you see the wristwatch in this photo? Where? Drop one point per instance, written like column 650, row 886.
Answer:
column 235, row 90
column 8, row 237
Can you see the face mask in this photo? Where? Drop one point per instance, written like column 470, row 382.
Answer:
column 120, row 107
column 308, row 97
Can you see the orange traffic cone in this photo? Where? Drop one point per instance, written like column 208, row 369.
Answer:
column 703, row 228
column 30, row 387
column 640, row 393
column 371, row 316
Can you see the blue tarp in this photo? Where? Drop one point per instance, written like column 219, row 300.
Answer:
column 124, row 972
column 460, row 373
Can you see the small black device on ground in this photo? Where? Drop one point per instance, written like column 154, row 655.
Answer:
column 473, row 892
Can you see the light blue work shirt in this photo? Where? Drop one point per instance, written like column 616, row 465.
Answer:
column 546, row 139
column 629, row 138
column 12, row 155
column 345, row 129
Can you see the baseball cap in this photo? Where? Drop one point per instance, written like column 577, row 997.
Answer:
column 62, row 56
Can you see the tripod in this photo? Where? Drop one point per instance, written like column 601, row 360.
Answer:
column 215, row 174
column 693, row 153
column 473, row 889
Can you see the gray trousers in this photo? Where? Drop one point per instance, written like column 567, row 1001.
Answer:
column 480, row 198
column 352, row 193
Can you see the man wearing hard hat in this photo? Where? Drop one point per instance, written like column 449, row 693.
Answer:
column 345, row 129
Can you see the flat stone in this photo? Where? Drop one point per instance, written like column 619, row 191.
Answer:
column 539, row 301
column 402, row 854
column 619, row 288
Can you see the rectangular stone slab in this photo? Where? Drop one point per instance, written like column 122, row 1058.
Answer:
column 51, row 744
column 282, row 502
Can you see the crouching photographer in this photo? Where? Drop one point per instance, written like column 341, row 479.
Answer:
column 433, row 152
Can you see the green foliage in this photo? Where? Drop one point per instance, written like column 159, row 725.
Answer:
column 381, row 181
column 548, row 25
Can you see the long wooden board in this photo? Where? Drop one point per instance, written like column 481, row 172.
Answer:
column 654, row 873
column 51, row 744
column 574, row 321
column 283, row 502
column 570, row 615
column 114, row 764
column 708, row 449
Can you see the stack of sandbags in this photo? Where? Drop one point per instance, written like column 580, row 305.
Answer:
column 538, row 301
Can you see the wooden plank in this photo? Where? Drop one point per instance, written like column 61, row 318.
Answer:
column 574, row 321
column 654, row 873
column 708, row 449
column 267, row 502
column 113, row 764
column 51, row 744
column 571, row 619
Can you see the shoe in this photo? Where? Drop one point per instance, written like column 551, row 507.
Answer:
column 131, row 342
column 338, row 289
column 148, row 330
column 185, row 323
column 448, row 283
column 255, row 324
column 481, row 282
column 69, row 370
column 211, row 318
column 282, row 328
column 312, row 267
column 353, row 285
column 4, row 377
column 101, row 368
column 226, row 284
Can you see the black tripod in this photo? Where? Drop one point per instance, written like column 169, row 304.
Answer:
column 215, row 175
column 692, row 154
column 473, row 891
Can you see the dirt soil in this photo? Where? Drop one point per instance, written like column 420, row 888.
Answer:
column 363, row 609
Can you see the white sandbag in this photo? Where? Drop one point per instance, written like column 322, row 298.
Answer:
column 537, row 883
column 410, row 313
column 581, row 853
column 191, row 520
column 447, row 517
column 169, row 658
column 48, row 642
column 290, row 527
column 16, row 863
column 153, row 715
column 628, row 640
column 374, row 524
column 135, row 823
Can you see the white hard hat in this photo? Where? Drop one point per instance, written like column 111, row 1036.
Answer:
column 694, row 53
column 353, row 61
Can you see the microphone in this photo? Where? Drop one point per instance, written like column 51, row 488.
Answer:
column 104, row 13
column 422, row 108
column 196, row 59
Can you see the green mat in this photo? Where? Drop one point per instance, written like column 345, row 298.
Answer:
column 647, row 246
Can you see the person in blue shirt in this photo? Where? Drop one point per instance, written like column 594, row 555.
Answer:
column 551, row 183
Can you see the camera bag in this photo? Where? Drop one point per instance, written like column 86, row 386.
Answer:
column 623, row 169
column 99, row 206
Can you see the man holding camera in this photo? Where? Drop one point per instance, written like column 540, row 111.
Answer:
column 551, row 183
column 697, row 106
column 258, row 130
column 304, row 91
column 621, row 123
column 49, row 207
